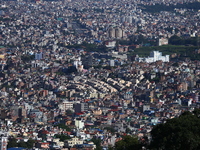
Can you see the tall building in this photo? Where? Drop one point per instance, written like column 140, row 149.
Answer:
column 118, row 33
column 123, row 19
column 4, row 140
column 112, row 63
column 65, row 105
column 79, row 123
column 80, row 107
column 77, row 62
column 115, row 32
column 129, row 19
column 111, row 33
column 38, row 56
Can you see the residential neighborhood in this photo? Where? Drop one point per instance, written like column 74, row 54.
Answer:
column 56, row 94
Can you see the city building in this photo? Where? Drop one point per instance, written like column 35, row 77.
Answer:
column 74, row 141
column 110, row 44
column 80, row 107
column 65, row 105
column 154, row 56
column 115, row 32
column 162, row 41
column 3, row 140
column 112, row 63
column 38, row 56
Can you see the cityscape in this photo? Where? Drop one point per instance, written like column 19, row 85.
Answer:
column 99, row 75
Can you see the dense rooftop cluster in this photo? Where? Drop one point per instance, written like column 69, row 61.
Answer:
column 48, row 89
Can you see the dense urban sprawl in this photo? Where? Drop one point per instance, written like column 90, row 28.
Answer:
column 50, row 87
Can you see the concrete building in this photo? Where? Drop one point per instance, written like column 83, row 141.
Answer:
column 73, row 141
column 111, row 33
column 81, row 107
column 129, row 19
column 118, row 33
column 115, row 32
column 112, row 63
column 110, row 44
column 4, row 140
column 65, row 105
column 79, row 123
column 162, row 41
column 154, row 56
column 38, row 56
column 78, row 62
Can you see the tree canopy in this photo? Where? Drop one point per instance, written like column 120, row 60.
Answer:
column 127, row 143
column 97, row 142
column 181, row 133
column 12, row 142
column 62, row 137
column 161, row 7
column 176, row 40
column 63, row 126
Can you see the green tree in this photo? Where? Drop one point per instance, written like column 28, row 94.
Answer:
column 22, row 144
column 63, row 126
column 182, row 133
column 62, row 137
column 110, row 147
column 12, row 142
column 128, row 143
column 69, row 112
column 27, row 58
column 112, row 130
column 175, row 64
column 30, row 143
column 176, row 40
column 97, row 142
column 197, row 112
column 128, row 130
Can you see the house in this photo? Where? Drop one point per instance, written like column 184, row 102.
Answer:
column 72, row 142
column 42, row 145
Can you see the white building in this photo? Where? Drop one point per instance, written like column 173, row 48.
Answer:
column 38, row 56
column 163, row 41
column 79, row 123
column 112, row 63
column 65, row 105
column 154, row 56
column 4, row 142
column 77, row 62
column 73, row 141
column 110, row 44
